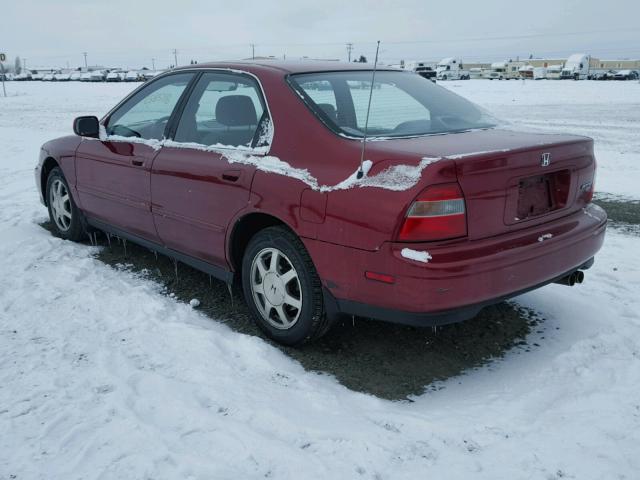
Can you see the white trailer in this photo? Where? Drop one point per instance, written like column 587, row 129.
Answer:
column 505, row 70
column 554, row 71
column 539, row 73
column 476, row 73
column 526, row 71
column 451, row 69
column 577, row 67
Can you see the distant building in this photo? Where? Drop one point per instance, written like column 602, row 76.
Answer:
column 615, row 64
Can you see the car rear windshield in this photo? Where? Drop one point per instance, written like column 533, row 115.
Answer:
column 402, row 104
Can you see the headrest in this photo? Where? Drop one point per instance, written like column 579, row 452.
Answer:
column 330, row 110
column 236, row 110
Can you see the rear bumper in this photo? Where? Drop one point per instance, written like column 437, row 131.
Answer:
column 462, row 277
column 427, row 319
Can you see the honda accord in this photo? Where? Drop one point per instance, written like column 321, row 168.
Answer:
column 262, row 173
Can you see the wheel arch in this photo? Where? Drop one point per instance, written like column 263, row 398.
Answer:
column 49, row 164
column 244, row 229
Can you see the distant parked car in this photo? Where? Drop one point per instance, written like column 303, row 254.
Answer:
column 115, row 76
column 97, row 76
column 62, row 77
column 148, row 74
column 86, row 77
column 608, row 75
column 626, row 75
column 132, row 76
column 245, row 171
column 49, row 77
column 23, row 76
column 37, row 76
column 75, row 76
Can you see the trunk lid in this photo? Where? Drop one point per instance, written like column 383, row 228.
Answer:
column 512, row 180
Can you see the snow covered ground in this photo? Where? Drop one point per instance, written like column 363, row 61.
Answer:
column 103, row 376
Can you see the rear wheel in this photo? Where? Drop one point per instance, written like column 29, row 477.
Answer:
column 63, row 213
column 282, row 288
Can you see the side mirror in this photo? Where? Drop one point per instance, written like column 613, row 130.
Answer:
column 87, row 127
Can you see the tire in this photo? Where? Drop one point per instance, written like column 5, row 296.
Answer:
column 63, row 213
column 291, row 312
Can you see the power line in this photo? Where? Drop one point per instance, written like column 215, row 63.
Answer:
column 390, row 42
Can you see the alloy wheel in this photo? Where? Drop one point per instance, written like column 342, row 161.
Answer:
column 276, row 288
column 60, row 202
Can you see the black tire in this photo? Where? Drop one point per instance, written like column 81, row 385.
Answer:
column 75, row 227
column 312, row 322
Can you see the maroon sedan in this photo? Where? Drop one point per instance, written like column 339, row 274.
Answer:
column 253, row 171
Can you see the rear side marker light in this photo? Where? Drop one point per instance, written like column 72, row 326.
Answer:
column 380, row 277
column 438, row 213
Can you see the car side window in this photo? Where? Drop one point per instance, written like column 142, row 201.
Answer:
column 224, row 109
column 146, row 114
column 323, row 95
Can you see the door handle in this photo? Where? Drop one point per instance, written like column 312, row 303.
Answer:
column 137, row 163
column 231, row 175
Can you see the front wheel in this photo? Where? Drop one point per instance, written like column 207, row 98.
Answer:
column 282, row 288
column 63, row 213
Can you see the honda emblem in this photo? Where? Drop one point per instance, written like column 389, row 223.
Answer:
column 546, row 160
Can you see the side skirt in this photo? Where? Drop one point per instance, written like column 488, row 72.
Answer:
column 213, row 270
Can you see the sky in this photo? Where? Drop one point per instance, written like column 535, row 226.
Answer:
column 138, row 33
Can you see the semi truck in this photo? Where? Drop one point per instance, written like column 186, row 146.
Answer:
column 576, row 67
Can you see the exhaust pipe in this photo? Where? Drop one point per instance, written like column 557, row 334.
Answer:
column 574, row 278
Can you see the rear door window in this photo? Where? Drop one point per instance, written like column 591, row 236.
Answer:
column 224, row 110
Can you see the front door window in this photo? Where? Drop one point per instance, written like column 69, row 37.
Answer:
column 146, row 114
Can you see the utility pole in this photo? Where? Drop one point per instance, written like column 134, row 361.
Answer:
column 175, row 57
column 86, row 67
column 153, row 64
column 349, row 49
column 3, row 57
column 253, row 51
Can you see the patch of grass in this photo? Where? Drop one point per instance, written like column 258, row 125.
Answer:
column 620, row 210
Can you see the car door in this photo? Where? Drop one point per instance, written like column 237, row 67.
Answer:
column 196, row 189
column 113, row 173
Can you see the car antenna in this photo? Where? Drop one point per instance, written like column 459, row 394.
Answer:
column 366, row 122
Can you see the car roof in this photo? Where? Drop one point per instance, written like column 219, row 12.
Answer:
column 288, row 66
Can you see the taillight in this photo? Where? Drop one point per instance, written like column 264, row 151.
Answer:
column 437, row 214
